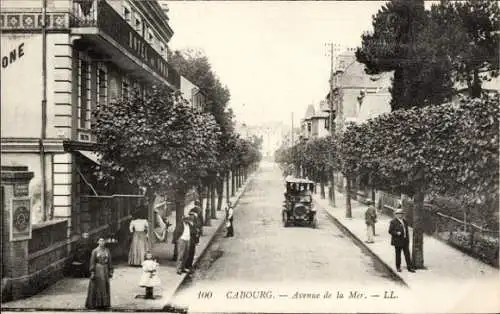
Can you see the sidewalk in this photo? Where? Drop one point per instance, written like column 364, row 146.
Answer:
column 70, row 293
column 443, row 263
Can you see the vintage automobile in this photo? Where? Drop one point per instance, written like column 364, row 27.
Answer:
column 298, row 208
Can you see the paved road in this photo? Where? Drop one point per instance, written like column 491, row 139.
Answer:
column 264, row 251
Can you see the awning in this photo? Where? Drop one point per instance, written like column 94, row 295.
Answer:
column 93, row 156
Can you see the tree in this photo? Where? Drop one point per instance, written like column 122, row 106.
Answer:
column 451, row 148
column 477, row 58
column 396, row 45
column 158, row 142
column 317, row 160
column 431, row 51
column 195, row 66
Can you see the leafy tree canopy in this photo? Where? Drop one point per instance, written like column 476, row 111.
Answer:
column 158, row 142
column 431, row 50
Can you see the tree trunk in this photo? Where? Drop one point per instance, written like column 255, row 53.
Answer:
column 213, row 214
column 476, row 85
column 322, row 187
column 348, row 211
column 180, row 203
column 207, row 207
column 239, row 177
column 220, row 192
column 418, row 234
column 236, row 178
column 199, row 194
column 227, row 186
column 233, row 182
column 332, row 193
column 150, row 199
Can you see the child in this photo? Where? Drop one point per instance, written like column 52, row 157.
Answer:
column 149, row 278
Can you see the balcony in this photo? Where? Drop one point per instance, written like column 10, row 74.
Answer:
column 101, row 26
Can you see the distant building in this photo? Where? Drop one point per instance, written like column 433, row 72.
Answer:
column 356, row 95
column 314, row 124
column 193, row 94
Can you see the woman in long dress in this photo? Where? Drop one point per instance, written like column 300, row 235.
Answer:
column 140, row 242
column 101, row 270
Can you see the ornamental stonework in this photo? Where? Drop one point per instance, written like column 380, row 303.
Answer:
column 33, row 21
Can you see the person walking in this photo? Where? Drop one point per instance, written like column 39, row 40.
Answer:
column 400, row 239
column 182, row 236
column 194, row 239
column 370, row 220
column 140, row 241
column 149, row 278
column 229, row 220
column 101, row 270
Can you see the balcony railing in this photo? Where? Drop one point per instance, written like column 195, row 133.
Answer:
column 98, row 13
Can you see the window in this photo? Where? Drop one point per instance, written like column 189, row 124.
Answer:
column 125, row 88
column 83, row 95
column 163, row 51
column 309, row 126
column 137, row 89
column 150, row 37
column 138, row 24
column 327, row 123
column 102, row 84
column 126, row 13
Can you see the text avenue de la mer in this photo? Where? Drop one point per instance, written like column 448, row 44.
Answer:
column 298, row 295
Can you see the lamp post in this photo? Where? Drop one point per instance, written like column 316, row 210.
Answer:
column 332, row 108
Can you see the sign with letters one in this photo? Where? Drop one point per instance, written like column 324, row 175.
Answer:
column 20, row 219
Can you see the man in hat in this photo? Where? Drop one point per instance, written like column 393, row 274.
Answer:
column 182, row 237
column 400, row 239
column 199, row 214
column 370, row 220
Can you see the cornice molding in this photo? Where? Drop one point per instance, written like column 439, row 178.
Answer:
column 31, row 145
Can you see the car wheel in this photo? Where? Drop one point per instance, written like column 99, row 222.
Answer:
column 314, row 223
column 285, row 220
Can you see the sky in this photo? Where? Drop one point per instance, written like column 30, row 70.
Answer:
column 271, row 55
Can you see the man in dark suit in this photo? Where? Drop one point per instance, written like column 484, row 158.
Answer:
column 199, row 217
column 400, row 239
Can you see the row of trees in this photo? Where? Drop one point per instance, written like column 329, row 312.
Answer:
column 450, row 150
column 427, row 145
column 167, row 147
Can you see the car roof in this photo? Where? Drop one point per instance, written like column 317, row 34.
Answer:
column 298, row 180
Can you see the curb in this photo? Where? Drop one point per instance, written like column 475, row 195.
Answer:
column 212, row 237
column 221, row 224
column 360, row 242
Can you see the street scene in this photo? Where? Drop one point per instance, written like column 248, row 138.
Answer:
column 250, row 156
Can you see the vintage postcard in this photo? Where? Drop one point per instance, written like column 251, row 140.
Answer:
column 250, row 156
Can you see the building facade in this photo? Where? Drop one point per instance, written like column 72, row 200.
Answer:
column 60, row 62
column 355, row 98
column 356, row 95
column 193, row 94
column 315, row 123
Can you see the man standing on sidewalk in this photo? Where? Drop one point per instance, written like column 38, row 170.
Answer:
column 194, row 240
column 229, row 220
column 370, row 219
column 182, row 236
column 400, row 239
